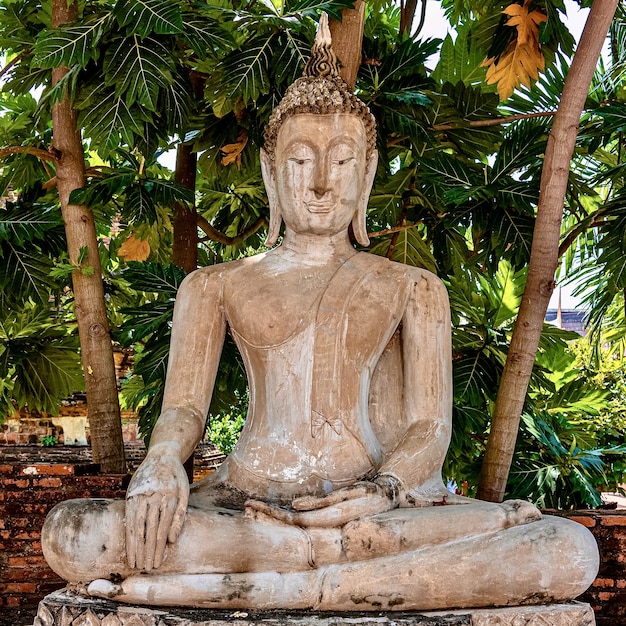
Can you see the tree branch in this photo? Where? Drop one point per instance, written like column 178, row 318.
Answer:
column 44, row 155
column 14, row 61
column 597, row 220
column 496, row 121
column 215, row 235
column 389, row 231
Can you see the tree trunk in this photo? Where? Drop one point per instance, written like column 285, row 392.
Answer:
column 543, row 256
column 347, row 37
column 185, row 249
column 97, row 351
column 407, row 14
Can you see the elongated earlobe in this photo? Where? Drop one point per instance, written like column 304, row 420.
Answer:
column 276, row 217
column 359, row 221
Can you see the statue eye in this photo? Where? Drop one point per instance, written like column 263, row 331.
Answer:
column 344, row 161
column 299, row 161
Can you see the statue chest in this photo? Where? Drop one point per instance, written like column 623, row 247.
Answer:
column 354, row 309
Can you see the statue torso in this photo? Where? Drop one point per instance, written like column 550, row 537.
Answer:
column 310, row 338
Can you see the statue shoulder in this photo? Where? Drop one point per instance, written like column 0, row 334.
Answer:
column 424, row 279
column 208, row 280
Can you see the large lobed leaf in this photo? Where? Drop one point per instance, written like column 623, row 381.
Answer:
column 246, row 71
column 70, row 45
column 144, row 17
column 154, row 278
column 108, row 120
column 45, row 376
column 21, row 225
column 24, row 272
column 138, row 68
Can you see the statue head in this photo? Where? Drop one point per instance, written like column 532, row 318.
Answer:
column 320, row 142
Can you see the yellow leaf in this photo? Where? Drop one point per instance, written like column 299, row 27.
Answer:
column 525, row 22
column 134, row 249
column 523, row 60
column 232, row 151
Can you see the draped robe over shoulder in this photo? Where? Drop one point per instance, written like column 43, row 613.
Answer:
column 310, row 433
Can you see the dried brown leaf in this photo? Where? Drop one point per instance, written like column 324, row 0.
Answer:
column 134, row 249
column 232, row 151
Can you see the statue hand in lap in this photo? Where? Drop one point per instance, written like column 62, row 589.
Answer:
column 327, row 500
column 336, row 508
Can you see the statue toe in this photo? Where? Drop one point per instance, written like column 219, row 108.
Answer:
column 104, row 589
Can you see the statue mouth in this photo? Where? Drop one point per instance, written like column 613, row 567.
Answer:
column 320, row 207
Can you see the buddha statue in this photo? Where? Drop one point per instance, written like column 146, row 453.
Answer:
column 332, row 498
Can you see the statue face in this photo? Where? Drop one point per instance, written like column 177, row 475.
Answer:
column 321, row 175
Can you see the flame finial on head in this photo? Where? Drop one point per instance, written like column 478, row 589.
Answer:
column 322, row 62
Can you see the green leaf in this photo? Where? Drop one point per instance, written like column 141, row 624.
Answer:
column 47, row 375
column 445, row 71
column 139, row 68
column 176, row 103
column 139, row 205
column 24, row 272
column 577, row 396
column 475, row 378
column 144, row 321
column 144, row 17
column 613, row 116
column 205, row 35
column 312, row 8
column 70, row 45
column 100, row 191
column 152, row 366
column 166, row 192
column 108, row 120
column 154, row 278
column 21, row 225
column 409, row 249
column 403, row 62
column 449, row 170
column 246, row 71
column 523, row 146
column 460, row 60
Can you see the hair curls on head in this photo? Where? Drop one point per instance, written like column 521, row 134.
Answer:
column 320, row 90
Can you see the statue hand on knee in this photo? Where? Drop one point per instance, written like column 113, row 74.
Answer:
column 156, row 503
column 334, row 509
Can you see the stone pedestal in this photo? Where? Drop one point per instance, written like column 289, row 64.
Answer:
column 65, row 608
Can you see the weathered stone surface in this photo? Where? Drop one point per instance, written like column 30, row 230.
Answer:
column 64, row 609
column 333, row 498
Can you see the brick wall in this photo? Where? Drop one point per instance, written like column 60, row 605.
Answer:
column 27, row 493
column 24, row 428
column 607, row 595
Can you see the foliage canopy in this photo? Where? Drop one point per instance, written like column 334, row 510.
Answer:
column 461, row 147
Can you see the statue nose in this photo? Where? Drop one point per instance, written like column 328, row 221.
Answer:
column 319, row 180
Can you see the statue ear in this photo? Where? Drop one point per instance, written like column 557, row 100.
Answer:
column 270, row 187
column 359, row 225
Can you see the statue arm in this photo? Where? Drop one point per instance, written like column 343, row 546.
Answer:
column 198, row 332
column 157, row 497
column 414, row 466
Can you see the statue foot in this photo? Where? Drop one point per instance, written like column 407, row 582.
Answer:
column 102, row 588
column 519, row 512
